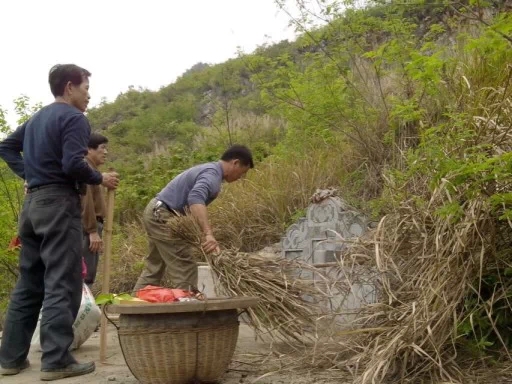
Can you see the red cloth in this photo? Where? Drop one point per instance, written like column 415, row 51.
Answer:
column 154, row 294
column 14, row 243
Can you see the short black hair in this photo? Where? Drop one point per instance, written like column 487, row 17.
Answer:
column 61, row 74
column 239, row 152
column 95, row 140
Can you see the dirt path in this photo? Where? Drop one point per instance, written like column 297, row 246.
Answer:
column 115, row 370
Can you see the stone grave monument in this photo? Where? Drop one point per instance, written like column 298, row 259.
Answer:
column 318, row 238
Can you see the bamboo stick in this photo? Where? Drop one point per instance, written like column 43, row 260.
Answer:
column 105, row 285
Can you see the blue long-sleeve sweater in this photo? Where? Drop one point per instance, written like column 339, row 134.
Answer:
column 53, row 143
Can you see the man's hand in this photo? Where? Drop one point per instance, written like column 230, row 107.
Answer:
column 210, row 245
column 110, row 180
column 95, row 242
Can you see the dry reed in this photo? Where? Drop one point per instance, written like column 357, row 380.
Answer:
column 427, row 266
column 424, row 266
column 288, row 304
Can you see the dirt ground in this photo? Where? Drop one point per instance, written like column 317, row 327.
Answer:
column 114, row 370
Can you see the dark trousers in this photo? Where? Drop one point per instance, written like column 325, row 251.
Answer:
column 91, row 258
column 50, row 231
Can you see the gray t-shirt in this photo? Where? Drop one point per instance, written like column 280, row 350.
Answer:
column 197, row 185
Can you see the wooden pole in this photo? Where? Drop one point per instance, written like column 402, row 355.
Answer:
column 105, row 284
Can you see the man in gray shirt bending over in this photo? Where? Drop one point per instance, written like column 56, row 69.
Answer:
column 193, row 189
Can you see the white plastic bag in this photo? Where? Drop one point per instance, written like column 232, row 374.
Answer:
column 87, row 320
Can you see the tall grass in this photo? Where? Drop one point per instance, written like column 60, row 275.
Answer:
column 129, row 248
column 255, row 212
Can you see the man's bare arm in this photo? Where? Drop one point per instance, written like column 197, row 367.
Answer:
column 200, row 212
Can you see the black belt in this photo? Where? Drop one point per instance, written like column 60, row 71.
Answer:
column 39, row 187
column 99, row 219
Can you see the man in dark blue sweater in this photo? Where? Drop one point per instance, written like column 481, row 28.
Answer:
column 53, row 143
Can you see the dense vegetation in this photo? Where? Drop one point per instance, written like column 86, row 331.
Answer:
column 365, row 103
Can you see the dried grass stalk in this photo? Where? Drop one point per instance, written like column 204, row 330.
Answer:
column 288, row 304
column 427, row 266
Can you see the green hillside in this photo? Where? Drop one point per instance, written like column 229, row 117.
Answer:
column 364, row 81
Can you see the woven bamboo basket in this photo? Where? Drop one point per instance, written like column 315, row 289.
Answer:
column 180, row 343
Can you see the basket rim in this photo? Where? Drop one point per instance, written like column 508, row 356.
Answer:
column 211, row 304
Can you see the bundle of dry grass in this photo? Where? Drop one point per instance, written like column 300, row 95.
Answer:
column 287, row 307
column 428, row 266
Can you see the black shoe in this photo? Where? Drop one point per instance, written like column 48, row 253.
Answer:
column 71, row 370
column 16, row 370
